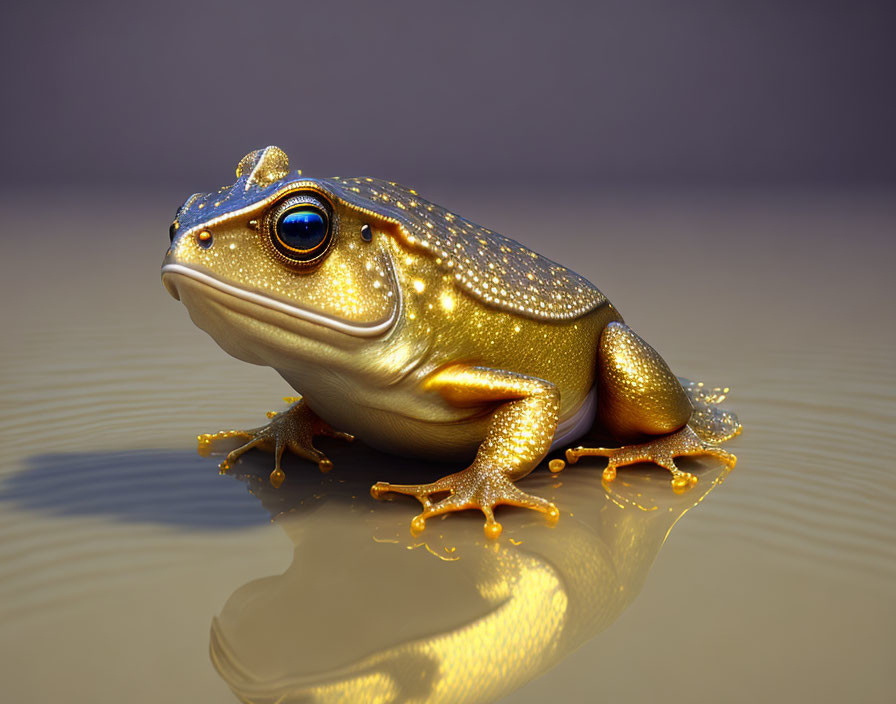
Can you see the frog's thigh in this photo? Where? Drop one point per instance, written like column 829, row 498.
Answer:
column 638, row 394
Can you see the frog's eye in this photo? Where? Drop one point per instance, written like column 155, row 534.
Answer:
column 300, row 230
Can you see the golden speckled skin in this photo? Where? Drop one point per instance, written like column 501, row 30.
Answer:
column 639, row 395
column 418, row 332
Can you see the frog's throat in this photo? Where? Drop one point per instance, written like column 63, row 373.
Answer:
column 355, row 329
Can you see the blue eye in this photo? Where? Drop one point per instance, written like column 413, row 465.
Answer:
column 301, row 230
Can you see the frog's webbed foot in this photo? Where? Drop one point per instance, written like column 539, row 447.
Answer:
column 710, row 422
column 483, row 485
column 293, row 428
column 661, row 451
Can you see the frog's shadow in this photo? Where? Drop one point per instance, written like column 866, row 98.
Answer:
column 180, row 488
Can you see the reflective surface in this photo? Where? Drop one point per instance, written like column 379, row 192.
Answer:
column 129, row 570
column 366, row 612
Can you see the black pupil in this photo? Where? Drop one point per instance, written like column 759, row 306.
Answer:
column 302, row 229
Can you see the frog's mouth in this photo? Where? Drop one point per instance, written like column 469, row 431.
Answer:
column 172, row 271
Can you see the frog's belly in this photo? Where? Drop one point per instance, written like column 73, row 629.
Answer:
column 404, row 426
column 408, row 425
column 403, row 435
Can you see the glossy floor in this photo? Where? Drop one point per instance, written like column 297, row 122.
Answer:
column 130, row 571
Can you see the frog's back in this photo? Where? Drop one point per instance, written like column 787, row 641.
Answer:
column 490, row 267
column 493, row 269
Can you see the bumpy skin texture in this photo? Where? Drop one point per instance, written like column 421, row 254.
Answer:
column 424, row 334
column 638, row 393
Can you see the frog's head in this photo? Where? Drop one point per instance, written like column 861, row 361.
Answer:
column 277, row 258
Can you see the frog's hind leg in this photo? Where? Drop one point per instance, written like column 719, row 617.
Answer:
column 710, row 422
column 638, row 395
column 661, row 451
column 519, row 435
column 293, row 428
column 641, row 399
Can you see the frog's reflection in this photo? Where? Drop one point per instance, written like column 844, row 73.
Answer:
column 368, row 613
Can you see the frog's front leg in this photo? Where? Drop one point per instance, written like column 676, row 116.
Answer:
column 518, row 437
column 293, row 428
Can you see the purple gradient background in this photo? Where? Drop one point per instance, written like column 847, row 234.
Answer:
column 724, row 171
column 658, row 94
